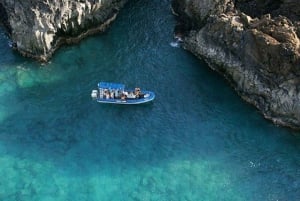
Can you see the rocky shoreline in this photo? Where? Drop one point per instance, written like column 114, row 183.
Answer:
column 254, row 44
column 38, row 28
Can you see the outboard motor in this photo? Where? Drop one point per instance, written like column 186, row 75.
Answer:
column 94, row 94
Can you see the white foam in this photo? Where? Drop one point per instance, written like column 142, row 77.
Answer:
column 174, row 44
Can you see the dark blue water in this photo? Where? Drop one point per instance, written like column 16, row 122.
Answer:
column 197, row 141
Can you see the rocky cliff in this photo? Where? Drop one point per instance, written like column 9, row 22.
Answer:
column 254, row 44
column 38, row 27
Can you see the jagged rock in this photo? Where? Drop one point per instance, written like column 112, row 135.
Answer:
column 37, row 28
column 259, row 55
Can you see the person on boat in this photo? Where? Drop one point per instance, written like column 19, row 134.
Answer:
column 117, row 92
column 112, row 94
column 137, row 92
column 131, row 95
column 106, row 93
column 123, row 96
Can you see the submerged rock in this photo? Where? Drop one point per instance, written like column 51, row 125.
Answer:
column 37, row 28
column 257, row 52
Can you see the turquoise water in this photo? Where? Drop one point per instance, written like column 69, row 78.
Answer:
column 197, row 141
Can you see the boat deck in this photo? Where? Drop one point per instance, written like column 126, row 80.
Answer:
column 147, row 96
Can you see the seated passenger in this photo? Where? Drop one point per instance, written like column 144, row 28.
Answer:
column 123, row 96
column 137, row 92
column 112, row 93
column 107, row 95
column 131, row 95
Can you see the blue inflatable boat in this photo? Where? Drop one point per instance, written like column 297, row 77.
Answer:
column 116, row 93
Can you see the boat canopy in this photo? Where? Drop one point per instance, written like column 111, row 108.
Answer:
column 110, row 85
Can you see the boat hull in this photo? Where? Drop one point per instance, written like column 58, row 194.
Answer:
column 148, row 96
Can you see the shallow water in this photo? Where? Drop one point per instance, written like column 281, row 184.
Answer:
column 197, row 141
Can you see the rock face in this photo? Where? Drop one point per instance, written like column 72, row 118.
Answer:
column 37, row 28
column 254, row 44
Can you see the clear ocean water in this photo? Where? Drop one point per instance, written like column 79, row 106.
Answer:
column 197, row 141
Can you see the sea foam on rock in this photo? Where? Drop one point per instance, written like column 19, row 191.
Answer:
column 257, row 52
